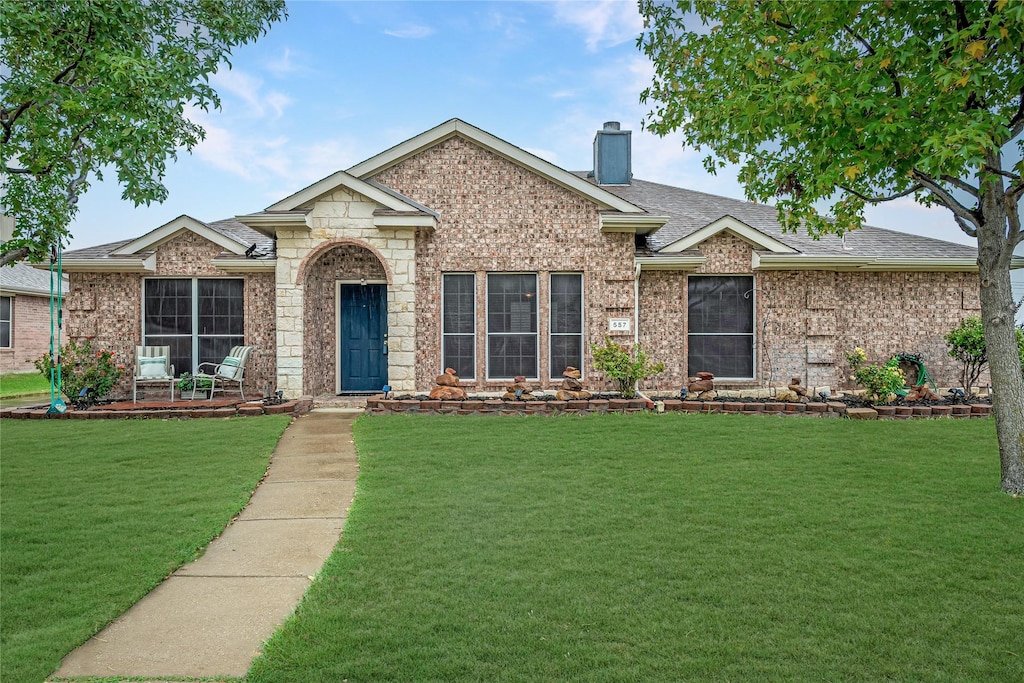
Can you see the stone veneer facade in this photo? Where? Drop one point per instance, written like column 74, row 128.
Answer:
column 342, row 243
column 807, row 321
column 498, row 217
column 108, row 308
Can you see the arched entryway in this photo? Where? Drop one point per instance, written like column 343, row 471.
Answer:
column 344, row 321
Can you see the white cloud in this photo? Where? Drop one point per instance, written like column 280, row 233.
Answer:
column 410, row 31
column 249, row 89
column 282, row 65
column 605, row 23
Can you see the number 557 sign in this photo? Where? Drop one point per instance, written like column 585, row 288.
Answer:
column 619, row 325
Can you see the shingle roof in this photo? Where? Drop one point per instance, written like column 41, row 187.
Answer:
column 690, row 211
column 22, row 278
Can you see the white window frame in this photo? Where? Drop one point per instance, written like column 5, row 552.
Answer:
column 10, row 323
column 487, row 332
column 445, row 335
column 555, row 373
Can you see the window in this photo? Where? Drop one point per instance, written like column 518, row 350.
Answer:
column 512, row 325
column 199, row 318
column 566, row 347
column 458, row 324
column 721, row 326
column 6, row 316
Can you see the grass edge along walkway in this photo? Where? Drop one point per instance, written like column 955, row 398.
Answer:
column 96, row 514
column 668, row 547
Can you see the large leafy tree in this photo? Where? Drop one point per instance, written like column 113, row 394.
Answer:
column 94, row 85
column 845, row 104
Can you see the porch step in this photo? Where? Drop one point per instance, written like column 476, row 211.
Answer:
column 358, row 402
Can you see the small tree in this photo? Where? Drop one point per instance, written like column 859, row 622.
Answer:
column 626, row 368
column 967, row 344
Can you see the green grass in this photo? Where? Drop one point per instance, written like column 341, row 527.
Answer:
column 95, row 514
column 667, row 548
column 23, row 384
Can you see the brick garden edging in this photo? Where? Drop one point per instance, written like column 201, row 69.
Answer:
column 378, row 405
column 295, row 407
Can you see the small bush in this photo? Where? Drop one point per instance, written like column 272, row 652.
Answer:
column 881, row 381
column 82, row 368
column 967, row 344
column 626, row 368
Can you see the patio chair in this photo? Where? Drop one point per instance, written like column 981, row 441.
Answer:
column 152, row 366
column 231, row 369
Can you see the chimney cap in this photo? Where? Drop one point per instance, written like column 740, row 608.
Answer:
column 611, row 125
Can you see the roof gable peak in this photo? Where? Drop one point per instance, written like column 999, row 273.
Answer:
column 735, row 226
column 169, row 230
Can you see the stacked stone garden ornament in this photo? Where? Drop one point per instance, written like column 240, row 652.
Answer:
column 447, row 388
column 921, row 392
column 701, row 387
column 794, row 393
column 571, row 389
column 518, row 391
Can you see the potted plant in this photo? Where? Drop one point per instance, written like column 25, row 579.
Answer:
column 202, row 386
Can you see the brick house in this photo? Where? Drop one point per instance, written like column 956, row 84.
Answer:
column 458, row 249
column 24, row 316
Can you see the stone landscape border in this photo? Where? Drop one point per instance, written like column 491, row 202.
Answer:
column 379, row 405
column 295, row 407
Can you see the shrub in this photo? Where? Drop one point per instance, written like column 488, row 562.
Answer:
column 82, row 368
column 967, row 344
column 626, row 368
column 881, row 381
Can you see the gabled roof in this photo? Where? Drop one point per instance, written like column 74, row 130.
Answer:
column 138, row 255
column 154, row 238
column 389, row 199
column 22, row 278
column 755, row 237
column 453, row 127
column 867, row 248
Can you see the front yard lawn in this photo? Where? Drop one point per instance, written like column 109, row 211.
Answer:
column 671, row 547
column 96, row 513
column 23, row 384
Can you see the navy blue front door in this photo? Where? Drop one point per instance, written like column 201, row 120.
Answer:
column 364, row 327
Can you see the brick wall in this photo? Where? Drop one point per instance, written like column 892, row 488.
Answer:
column 496, row 216
column 108, row 308
column 807, row 321
column 30, row 333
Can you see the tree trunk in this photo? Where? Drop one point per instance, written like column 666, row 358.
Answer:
column 997, row 311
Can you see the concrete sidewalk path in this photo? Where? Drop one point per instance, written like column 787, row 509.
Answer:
column 210, row 618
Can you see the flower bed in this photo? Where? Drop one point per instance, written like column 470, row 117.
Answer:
column 379, row 405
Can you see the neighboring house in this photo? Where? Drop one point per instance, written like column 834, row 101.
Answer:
column 458, row 249
column 24, row 316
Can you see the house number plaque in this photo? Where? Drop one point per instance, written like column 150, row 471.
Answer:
column 619, row 325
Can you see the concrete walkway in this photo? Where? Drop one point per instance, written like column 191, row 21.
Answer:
column 211, row 617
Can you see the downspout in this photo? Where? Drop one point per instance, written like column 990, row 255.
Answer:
column 636, row 328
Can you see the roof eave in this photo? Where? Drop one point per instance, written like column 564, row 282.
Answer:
column 643, row 224
column 269, row 222
column 860, row 263
column 689, row 262
column 245, row 265
column 146, row 264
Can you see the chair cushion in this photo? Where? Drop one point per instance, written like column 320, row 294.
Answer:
column 228, row 368
column 153, row 367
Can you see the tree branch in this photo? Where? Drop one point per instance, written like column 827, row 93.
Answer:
column 1017, row 122
column 961, row 185
column 878, row 200
column 961, row 213
column 13, row 255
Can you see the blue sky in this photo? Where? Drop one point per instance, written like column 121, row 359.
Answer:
column 338, row 82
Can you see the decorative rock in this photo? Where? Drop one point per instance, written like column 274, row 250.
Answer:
column 705, row 376
column 445, row 393
column 571, row 373
column 794, row 386
column 921, row 392
column 447, row 380
column 787, row 395
column 570, row 384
